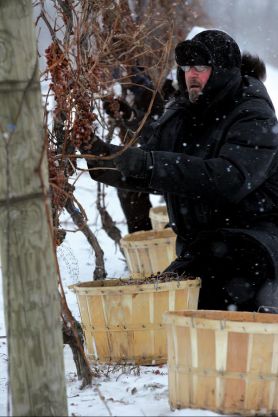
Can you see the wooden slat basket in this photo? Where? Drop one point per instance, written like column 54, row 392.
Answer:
column 149, row 252
column 159, row 217
column 223, row 361
column 123, row 323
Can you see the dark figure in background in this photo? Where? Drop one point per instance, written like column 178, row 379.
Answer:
column 127, row 115
column 213, row 154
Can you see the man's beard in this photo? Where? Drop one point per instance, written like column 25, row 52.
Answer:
column 194, row 94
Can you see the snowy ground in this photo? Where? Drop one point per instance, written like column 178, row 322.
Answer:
column 134, row 392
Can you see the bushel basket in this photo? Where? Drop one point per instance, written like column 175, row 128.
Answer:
column 223, row 361
column 122, row 321
column 149, row 252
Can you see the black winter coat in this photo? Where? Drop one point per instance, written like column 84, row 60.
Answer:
column 216, row 162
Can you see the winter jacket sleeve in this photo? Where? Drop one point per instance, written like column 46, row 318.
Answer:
column 116, row 179
column 247, row 158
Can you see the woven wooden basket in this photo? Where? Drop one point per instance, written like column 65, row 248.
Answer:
column 123, row 324
column 149, row 252
column 223, row 361
column 159, row 217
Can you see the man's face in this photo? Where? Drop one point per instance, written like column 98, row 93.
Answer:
column 196, row 78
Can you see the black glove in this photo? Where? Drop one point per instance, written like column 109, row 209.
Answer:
column 134, row 162
column 99, row 148
column 117, row 108
column 181, row 265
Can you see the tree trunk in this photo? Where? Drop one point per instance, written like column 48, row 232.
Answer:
column 32, row 308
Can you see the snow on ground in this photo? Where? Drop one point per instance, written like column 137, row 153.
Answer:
column 119, row 392
column 127, row 393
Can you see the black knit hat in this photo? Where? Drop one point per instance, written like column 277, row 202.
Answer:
column 210, row 47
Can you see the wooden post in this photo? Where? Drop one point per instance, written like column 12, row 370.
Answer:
column 32, row 308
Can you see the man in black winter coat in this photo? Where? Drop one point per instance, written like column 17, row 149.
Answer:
column 213, row 154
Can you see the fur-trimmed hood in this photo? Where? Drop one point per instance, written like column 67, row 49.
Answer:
column 253, row 66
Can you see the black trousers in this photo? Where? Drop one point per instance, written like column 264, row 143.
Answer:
column 232, row 270
column 136, row 207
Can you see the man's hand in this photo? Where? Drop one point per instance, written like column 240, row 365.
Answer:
column 96, row 146
column 134, row 162
column 181, row 265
